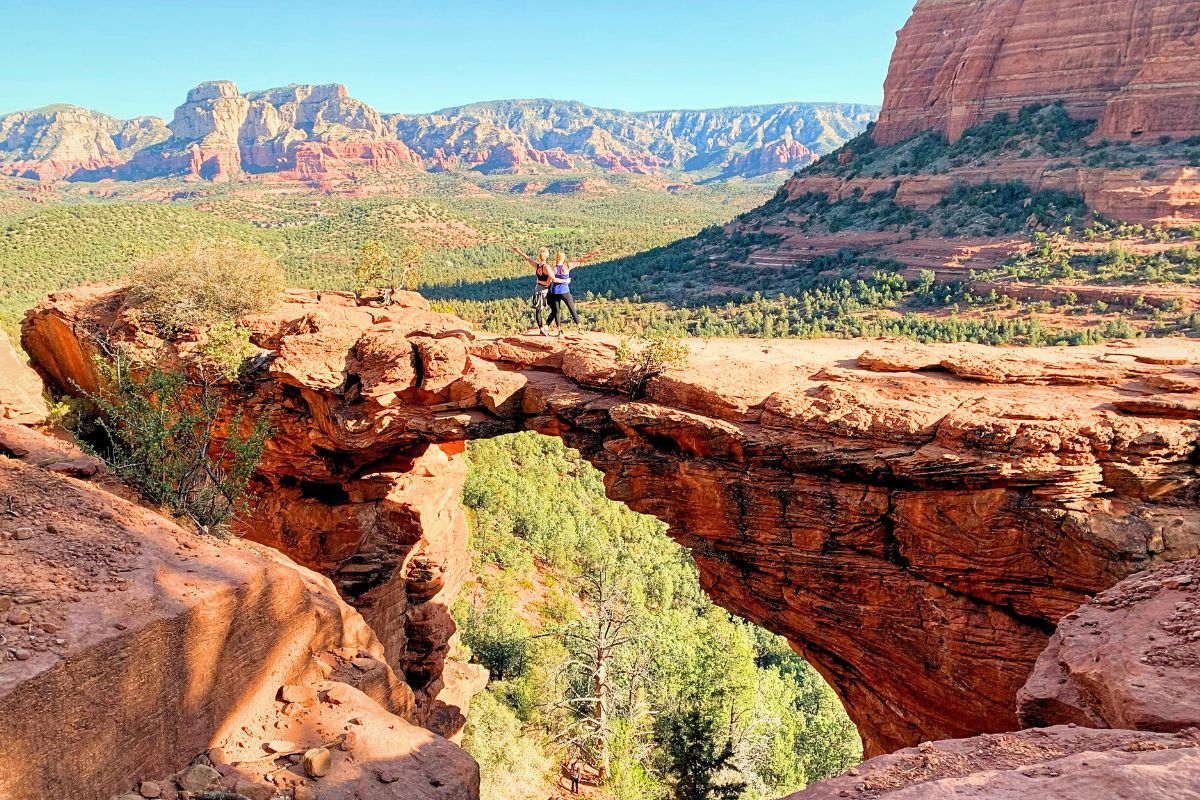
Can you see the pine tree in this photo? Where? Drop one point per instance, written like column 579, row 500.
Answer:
column 696, row 760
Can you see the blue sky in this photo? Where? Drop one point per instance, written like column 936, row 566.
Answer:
column 127, row 58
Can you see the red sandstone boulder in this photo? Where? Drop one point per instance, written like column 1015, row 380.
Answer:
column 1129, row 658
column 1060, row 763
column 20, row 388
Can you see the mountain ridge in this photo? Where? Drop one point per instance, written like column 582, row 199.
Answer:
column 320, row 133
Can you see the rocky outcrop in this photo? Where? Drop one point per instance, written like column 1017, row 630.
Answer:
column 1059, row 763
column 914, row 519
column 64, row 141
column 782, row 155
column 311, row 133
column 1170, row 197
column 1128, row 658
column 1116, row 693
column 134, row 645
column 20, row 388
column 1130, row 65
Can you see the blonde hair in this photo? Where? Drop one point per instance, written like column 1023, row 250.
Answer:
column 560, row 257
column 543, row 254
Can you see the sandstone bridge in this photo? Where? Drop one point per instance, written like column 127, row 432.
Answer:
column 914, row 519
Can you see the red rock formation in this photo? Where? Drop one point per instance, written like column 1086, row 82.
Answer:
column 136, row 644
column 132, row 645
column 915, row 526
column 1131, row 64
column 1060, row 763
column 1170, row 198
column 782, row 155
column 20, row 388
column 1129, row 658
column 1124, row 664
column 638, row 164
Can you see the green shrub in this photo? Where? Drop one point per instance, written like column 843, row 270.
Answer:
column 512, row 764
column 158, row 429
column 643, row 358
column 226, row 348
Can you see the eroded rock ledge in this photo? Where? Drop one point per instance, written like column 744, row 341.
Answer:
column 132, row 646
column 914, row 519
column 1118, row 691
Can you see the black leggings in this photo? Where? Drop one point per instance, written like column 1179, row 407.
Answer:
column 555, row 314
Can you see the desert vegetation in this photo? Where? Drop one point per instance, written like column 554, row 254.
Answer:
column 574, row 586
column 163, row 424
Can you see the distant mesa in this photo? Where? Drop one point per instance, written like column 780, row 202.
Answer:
column 321, row 135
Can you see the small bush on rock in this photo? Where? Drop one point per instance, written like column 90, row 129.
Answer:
column 226, row 349
column 641, row 359
column 169, row 435
column 205, row 284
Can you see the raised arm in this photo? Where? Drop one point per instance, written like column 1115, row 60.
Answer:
column 587, row 257
column 518, row 251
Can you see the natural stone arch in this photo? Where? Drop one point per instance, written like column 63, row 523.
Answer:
column 915, row 534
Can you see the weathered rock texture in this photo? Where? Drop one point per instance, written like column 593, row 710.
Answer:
column 20, row 389
column 1171, row 196
column 1129, row 658
column 1133, row 65
column 132, row 645
column 1059, row 763
column 914, row 519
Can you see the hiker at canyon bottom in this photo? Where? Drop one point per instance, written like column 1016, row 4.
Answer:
column 560, row 289
column 541, row 288
column 576, row 770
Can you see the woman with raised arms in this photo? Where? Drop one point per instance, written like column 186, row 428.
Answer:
column 560, row 289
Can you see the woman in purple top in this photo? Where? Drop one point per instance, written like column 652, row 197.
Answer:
column 560, row 288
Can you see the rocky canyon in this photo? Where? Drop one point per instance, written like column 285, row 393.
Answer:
column 914, row 519
column 992, row 554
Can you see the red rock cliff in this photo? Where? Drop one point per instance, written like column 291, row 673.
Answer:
column 133, row 647
column 914, row 519
column 1133, row 65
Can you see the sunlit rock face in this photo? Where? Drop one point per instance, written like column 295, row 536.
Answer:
column 915, row 519
column 1112, row 709
column 1132, row 65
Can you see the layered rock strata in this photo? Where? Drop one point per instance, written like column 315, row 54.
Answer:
column 1117, row 692
column 1132, row 66
column 1171, row 196
column 1128, row 658
column 914, row 519
column 129, row 645
column 321, row 134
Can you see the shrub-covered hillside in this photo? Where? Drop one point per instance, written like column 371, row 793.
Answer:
column 557, row 562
